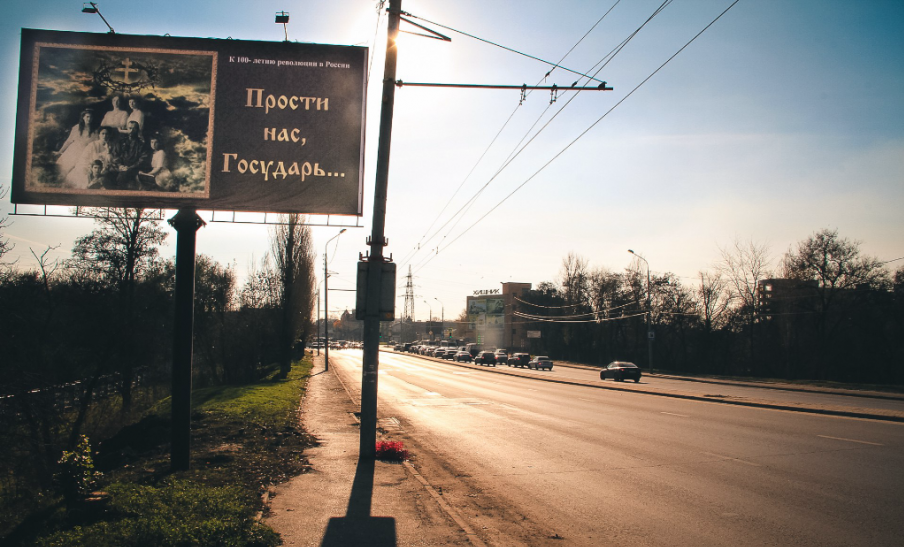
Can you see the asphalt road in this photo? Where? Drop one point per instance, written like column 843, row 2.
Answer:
column 542, row 463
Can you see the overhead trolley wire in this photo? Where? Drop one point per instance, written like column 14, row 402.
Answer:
column 468, row 204
column 516, row 151
column 601, row 118
column 465, row 208
column 554, row 65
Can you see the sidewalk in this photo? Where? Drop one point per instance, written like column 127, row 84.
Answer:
column 342, row 502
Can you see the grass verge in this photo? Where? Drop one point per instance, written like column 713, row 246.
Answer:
column 244, row 439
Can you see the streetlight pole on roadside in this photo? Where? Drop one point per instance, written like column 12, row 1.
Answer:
column 649, row 314
column 429, row 318
column 442, row 329
column 316, row 325
column 326, row 309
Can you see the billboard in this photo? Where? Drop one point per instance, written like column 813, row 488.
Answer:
column 165, row 122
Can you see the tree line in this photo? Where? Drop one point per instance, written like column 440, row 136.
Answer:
column 104, row 316
column 822, row 311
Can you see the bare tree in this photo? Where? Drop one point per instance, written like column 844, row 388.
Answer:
column 714, row 299
column 744, row 264
column 293, row 252
column 835, row 276
column 5, row 245
column 575, row 279
column 114, row 256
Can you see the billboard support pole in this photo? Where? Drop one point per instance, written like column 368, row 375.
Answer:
column 371, row 362
column 186, row 222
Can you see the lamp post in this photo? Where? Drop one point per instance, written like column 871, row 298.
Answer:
column 442, row 315
column 317, row 324
column 649, row 314
column 429, row 317
column 91, row 7
column 326, row 308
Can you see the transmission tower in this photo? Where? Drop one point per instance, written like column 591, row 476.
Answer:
column 409, row 298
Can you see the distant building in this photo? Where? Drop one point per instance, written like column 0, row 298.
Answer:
column 491, row 315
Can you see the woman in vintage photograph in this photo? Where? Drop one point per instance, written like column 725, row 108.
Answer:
column 103, row 149
column 118, row 117
column 136, row 114
column 163, row 177
column 80, row 136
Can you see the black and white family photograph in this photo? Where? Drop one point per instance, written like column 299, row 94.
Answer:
column 120, row 121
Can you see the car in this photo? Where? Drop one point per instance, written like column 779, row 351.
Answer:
column 450, row 353
column 501, row 356
column 620, row 371
column 463, row 356
column 540, row 361
column 519, row 360
column 486, row 358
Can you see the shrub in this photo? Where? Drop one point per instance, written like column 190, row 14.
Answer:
column 76, row 476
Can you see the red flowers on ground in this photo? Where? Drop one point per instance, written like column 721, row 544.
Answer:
column 393, row 451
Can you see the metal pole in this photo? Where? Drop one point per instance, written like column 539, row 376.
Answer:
column 186, row 222
column 371, row 359
column 317, row 329
column 429, row 318
column 326, row 315
column 442, row 315
column 326, row 308
column 649, row 313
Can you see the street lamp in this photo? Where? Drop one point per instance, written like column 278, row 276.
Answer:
column 442, row 318
column 316, row 325
column 326, row 309
column 649, row 314
column 429, row 317
column 282, row 18
column 91, row 7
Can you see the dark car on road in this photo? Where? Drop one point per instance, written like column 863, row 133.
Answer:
column 486, row 358
column 621, row 371
column 541, row 361
column 463, row 356
column 501, row 356
column 519, row 360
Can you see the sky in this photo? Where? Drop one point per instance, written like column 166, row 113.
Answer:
column 779, row 120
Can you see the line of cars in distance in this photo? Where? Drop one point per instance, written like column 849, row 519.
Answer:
column 617, row 370
column 480, row 357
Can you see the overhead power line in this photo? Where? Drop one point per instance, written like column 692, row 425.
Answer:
column 516, row 151
column 587, row 130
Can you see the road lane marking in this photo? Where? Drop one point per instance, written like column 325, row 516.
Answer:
column 732, row 459
column 849, row 440
column 673, row 414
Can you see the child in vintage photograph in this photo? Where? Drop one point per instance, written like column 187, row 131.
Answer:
column 161, row 174
column 96, row 175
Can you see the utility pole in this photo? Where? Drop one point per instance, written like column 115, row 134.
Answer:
column 649, row 314
column 371, row 362
column 408, row 313
column 326, row 308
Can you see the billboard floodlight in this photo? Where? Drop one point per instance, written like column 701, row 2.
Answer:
column 282, row 18
column 91, row 7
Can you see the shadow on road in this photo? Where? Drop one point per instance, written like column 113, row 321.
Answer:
column 358, row 527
